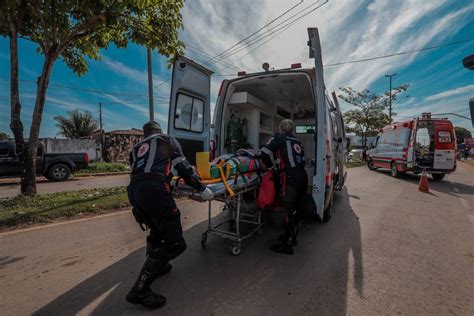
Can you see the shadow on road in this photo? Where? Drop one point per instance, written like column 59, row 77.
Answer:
column 445, row 186
column 327, row 264
column 5, row 261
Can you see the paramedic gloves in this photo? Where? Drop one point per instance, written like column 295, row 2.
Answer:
column 207, row 194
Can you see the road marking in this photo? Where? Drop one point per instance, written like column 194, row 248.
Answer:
column 471, row 218
column 456, row 189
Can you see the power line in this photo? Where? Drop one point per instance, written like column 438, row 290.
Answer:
column 399, row 54
column 196, row 50
column 249, row 36
column 95, row 91
column 265, row 42
column 270, row 31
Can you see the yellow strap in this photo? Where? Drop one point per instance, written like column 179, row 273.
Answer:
column 225, row 177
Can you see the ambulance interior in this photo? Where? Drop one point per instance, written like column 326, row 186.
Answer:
column 254, row 108
column 424, row 144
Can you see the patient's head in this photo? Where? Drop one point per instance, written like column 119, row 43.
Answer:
column 286, row 126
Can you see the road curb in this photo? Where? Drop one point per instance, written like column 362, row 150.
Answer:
column 102, row 174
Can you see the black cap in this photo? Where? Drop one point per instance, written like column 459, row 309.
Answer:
column 151, row 127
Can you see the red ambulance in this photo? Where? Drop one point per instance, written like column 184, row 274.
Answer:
column 411, row 146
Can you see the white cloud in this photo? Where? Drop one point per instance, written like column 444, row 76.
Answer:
column 452, row 92
column 348, row 31
column 140, row 76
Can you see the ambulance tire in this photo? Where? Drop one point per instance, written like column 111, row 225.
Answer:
column 394, row 171
column 370, row 164
column 438, row 176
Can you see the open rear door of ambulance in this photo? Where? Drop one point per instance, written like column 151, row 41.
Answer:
column 190, row 107
column 341, row 144
column 319, row 180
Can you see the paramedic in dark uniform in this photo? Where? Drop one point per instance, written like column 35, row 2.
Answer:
column 285, row 153
column 153, row 204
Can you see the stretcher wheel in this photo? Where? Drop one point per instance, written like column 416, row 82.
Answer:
column 236, row 249
column 203, row 240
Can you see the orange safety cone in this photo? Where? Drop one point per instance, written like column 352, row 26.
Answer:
column 423, row 186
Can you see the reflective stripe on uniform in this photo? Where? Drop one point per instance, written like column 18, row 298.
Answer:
column 177, row 160
column 134, row 156
column 269, row 153
column 151, row 156
column 289, row 151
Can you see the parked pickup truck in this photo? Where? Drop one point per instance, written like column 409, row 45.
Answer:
column 55, row 167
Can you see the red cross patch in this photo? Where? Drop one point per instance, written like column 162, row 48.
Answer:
column 143, row 150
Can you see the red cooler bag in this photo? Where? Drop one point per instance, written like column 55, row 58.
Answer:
column 266, row 195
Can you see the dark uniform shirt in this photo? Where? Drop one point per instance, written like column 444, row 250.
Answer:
column 285, row 151
column 156, row 154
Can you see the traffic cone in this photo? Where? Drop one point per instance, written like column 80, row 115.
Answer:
column 423, row 186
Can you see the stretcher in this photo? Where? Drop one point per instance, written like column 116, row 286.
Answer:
column 230, row 193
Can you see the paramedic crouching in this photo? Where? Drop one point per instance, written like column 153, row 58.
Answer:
column 285, row 153
column 153, row 205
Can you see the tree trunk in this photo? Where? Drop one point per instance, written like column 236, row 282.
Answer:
column 30, row 155
column 16, row 125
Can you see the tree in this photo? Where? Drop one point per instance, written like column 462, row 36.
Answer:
column 368, row 117
column 461, row 133
column 76, row 125
column 14, row 19
column 75, row 31
column 3, row 136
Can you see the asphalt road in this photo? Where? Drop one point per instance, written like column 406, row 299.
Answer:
column 388, row 249
column 10, row 187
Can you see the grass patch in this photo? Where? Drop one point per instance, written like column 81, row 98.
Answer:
column 352, row 164
column 103, row 167
column 24, row 211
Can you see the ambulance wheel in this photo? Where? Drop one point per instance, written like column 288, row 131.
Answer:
column 370, row 164
column 394, row 171
column 203, row 240
column 438, row 176
column 236, row 249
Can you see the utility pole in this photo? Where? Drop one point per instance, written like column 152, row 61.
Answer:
column 101, row 132
column 150, row 85
column 390, row 99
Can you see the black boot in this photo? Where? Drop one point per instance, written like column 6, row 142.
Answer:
column 282, row 248
column 282, row 238
column 141, row 292
column 146, row 298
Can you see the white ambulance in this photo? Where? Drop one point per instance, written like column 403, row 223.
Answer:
column 260, row 101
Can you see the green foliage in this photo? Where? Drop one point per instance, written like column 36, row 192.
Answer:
column 369, row 115
column 4, row 136
column 77, row 30
column 461, row 133
column 103, row 167
column 45, row 208
column 353, row 164
column 76, row 125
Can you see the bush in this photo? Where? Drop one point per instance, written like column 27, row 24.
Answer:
column 104, row 167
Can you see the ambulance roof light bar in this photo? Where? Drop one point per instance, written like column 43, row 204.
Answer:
column 241, row 73
column 295, row 65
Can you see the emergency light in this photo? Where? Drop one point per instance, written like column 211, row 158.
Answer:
column 296, row 65
column 241, row 73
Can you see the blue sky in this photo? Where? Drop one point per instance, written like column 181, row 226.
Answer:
column 349, row 30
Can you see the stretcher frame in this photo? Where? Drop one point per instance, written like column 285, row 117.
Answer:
column 238, row 213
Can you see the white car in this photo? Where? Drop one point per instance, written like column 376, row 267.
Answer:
column 355, row 154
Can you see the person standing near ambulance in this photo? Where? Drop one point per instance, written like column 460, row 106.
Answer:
column 285, row 154
column 153, row 205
